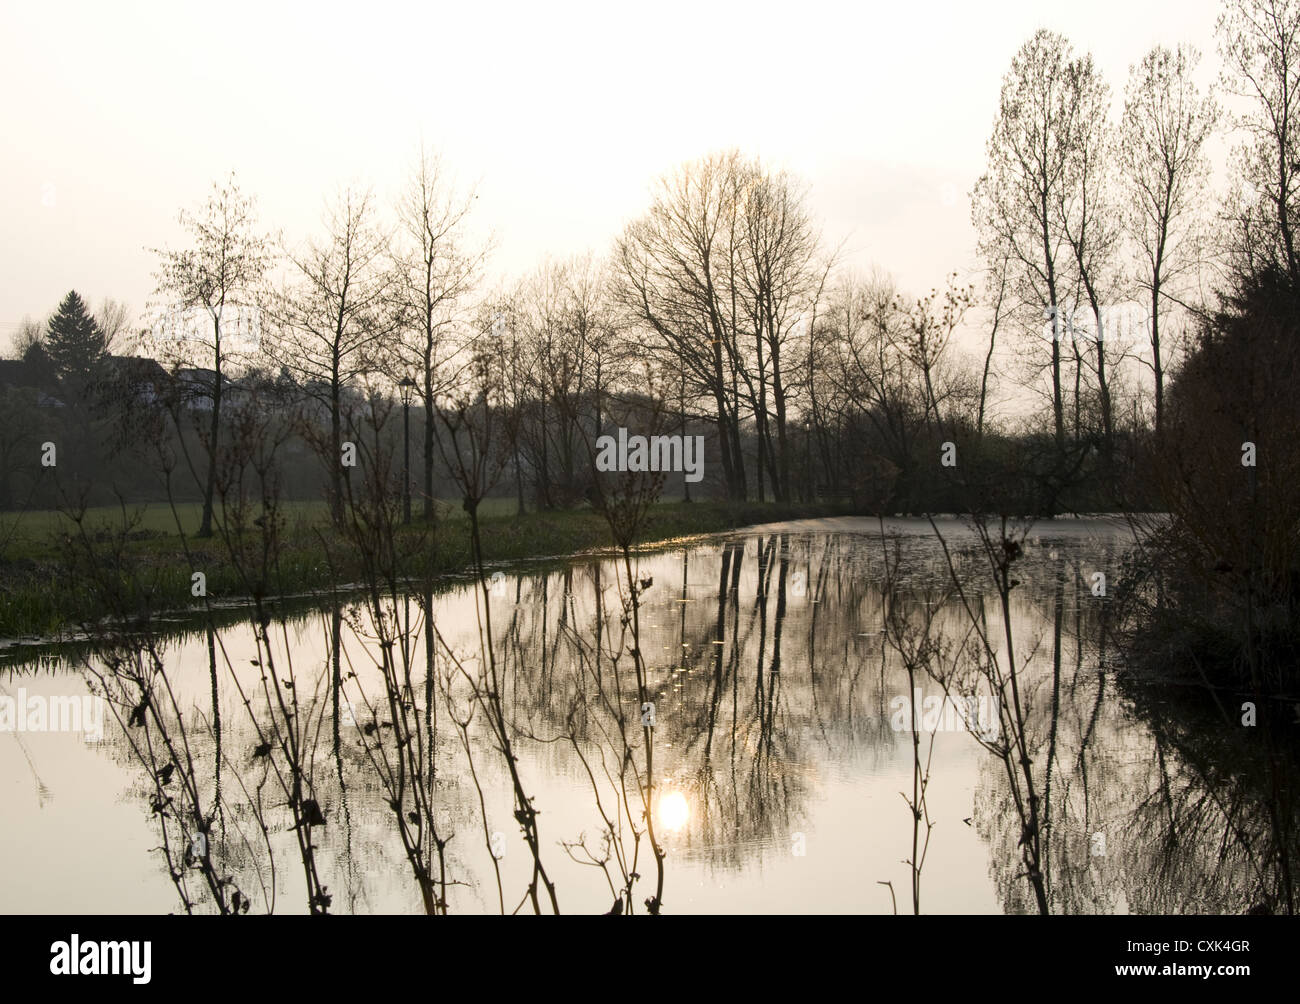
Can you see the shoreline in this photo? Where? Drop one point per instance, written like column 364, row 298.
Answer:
column 40, row 608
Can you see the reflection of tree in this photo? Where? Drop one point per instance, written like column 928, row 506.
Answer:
column 1169, row 816
column 1217, row 833
column 765, row 657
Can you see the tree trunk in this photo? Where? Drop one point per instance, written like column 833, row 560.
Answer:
column 205, row 527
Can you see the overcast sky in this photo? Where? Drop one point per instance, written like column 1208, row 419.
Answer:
column 117, row 115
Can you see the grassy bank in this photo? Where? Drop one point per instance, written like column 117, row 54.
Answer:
column 41, row 595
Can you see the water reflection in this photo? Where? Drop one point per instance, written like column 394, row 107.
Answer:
column 351, row 759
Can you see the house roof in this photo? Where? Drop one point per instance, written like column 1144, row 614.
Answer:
column 140, row 369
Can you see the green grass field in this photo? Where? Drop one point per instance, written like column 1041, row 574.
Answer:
column 25, row 534
column 49, row 586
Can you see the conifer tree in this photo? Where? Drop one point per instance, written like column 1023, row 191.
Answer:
column 75, row 345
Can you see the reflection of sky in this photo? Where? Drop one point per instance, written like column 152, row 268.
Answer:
column 801, row 814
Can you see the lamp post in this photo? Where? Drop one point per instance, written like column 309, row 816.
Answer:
column 406, row 387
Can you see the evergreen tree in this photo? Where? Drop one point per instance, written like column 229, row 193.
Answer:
column 39, row 367
column 75, row 344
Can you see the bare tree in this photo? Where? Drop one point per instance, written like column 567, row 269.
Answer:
column 1015, row 205
column 996, row 292
column 1162, row 160
column 334, row 314
column 436, row 269
column 217, row 280
column 114, row 320
column 877, row 403
column 924, row 337
column 781, row 280
column 1259, row 41
column 1089, row 218
column 568, row 330
column 677, row 267
column 29, row 337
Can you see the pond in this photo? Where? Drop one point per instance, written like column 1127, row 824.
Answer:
column 783, row 762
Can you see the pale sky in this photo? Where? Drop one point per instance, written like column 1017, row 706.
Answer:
column 117, row 115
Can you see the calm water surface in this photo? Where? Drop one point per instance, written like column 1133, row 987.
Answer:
column 781, row 770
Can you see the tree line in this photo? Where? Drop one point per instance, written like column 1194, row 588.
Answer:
column 722, row 310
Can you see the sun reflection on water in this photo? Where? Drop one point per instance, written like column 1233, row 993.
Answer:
column 674, row 810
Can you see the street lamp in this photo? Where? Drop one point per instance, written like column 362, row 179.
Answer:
column 406, row 388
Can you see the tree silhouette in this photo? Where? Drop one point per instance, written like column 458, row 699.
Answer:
column 75, row 345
